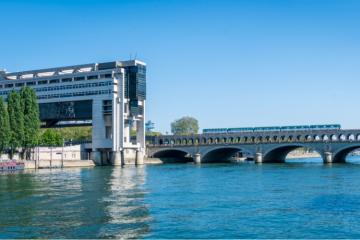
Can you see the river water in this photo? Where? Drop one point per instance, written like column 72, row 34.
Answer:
column 301, row 199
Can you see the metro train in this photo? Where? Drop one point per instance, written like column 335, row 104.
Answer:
column 274, row 128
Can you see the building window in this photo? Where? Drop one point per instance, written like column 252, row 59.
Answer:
column 19, row 84
column 107, row 75
column 30, row 83
column 66, row 80
column 79, row 78
column 9, row 85
column 54, row 81
column 42, row 82
column 108, row 132
column 92, row 77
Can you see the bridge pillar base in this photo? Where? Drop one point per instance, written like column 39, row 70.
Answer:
column 328, row 157
column 258, row 158
column 197, row 158
column 139, row 159
column 117, row 158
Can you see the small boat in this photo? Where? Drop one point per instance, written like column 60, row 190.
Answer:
column 11, row 166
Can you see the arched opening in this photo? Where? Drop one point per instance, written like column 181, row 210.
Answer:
column 342, row 137
column 349, row 154
column 226, row 155
column 333, row 138
column 351, row 137
column 291, row 153
column 325, row 138
column 317, row 138
column 173, row 156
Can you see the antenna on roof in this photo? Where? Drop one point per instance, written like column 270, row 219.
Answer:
column 135, row 56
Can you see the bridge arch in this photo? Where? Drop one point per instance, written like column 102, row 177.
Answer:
column 340, row 155
column 173, row 156
column 278, row 154
column 222, row 154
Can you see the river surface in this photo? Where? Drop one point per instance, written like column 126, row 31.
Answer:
column 301, row 199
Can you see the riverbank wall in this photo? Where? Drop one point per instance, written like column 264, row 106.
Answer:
column 58, row 164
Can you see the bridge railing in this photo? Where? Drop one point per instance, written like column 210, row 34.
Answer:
column 258, row 138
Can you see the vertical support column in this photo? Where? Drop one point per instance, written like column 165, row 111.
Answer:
column 118, row 120
column 117, row 158
column 197, row 158
column 328, row 157
column 96, row 157
column 139, row 159
column 258, row 158
column 98, row 130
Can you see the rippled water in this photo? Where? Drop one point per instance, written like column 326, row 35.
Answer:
column 293, row 200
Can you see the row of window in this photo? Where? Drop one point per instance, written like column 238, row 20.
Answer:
column 52, row 81
column 75, row 94
column 66, row 87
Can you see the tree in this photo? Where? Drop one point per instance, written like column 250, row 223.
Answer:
column 4, row 127
column 184, row 126
column 31, row 120
column 16, row 121
column 51, row 137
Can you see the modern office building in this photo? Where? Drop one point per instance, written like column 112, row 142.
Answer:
column 110, row 96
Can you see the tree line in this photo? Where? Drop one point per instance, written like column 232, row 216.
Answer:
column 20, row 125
column 19, row 122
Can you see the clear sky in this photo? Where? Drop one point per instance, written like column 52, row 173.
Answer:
column 227, row 63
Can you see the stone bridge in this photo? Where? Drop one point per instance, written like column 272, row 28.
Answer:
column 265, row 147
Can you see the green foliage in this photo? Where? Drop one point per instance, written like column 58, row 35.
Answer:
column 151, row 134
column 4, row 127
column 51, row 137
column 75, row 133
column 16, row 120
column 31, row 118
column 185, row 126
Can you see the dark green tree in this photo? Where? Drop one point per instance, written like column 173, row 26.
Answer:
column 51, row 137
column 31, row 120
column 4, row 127
column 185, row 126
column 16, row 121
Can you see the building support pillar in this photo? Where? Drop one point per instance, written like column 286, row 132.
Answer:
column 258, row 158
column 117, row 158
column 139, row 158
column 96, row 157
column 328, row 157
column 197, row 158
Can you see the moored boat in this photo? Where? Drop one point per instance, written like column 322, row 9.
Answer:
column 11, row 166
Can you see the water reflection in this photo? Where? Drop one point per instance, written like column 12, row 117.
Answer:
column 74, row 203
column 125, row 204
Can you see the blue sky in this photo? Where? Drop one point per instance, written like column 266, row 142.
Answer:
column 227, row 63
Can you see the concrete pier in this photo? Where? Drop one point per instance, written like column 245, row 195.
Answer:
column 328, row 157
column 197, row 158
column 258, row 158
column 139, row 158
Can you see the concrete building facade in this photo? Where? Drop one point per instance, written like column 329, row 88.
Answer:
column 109, row 96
